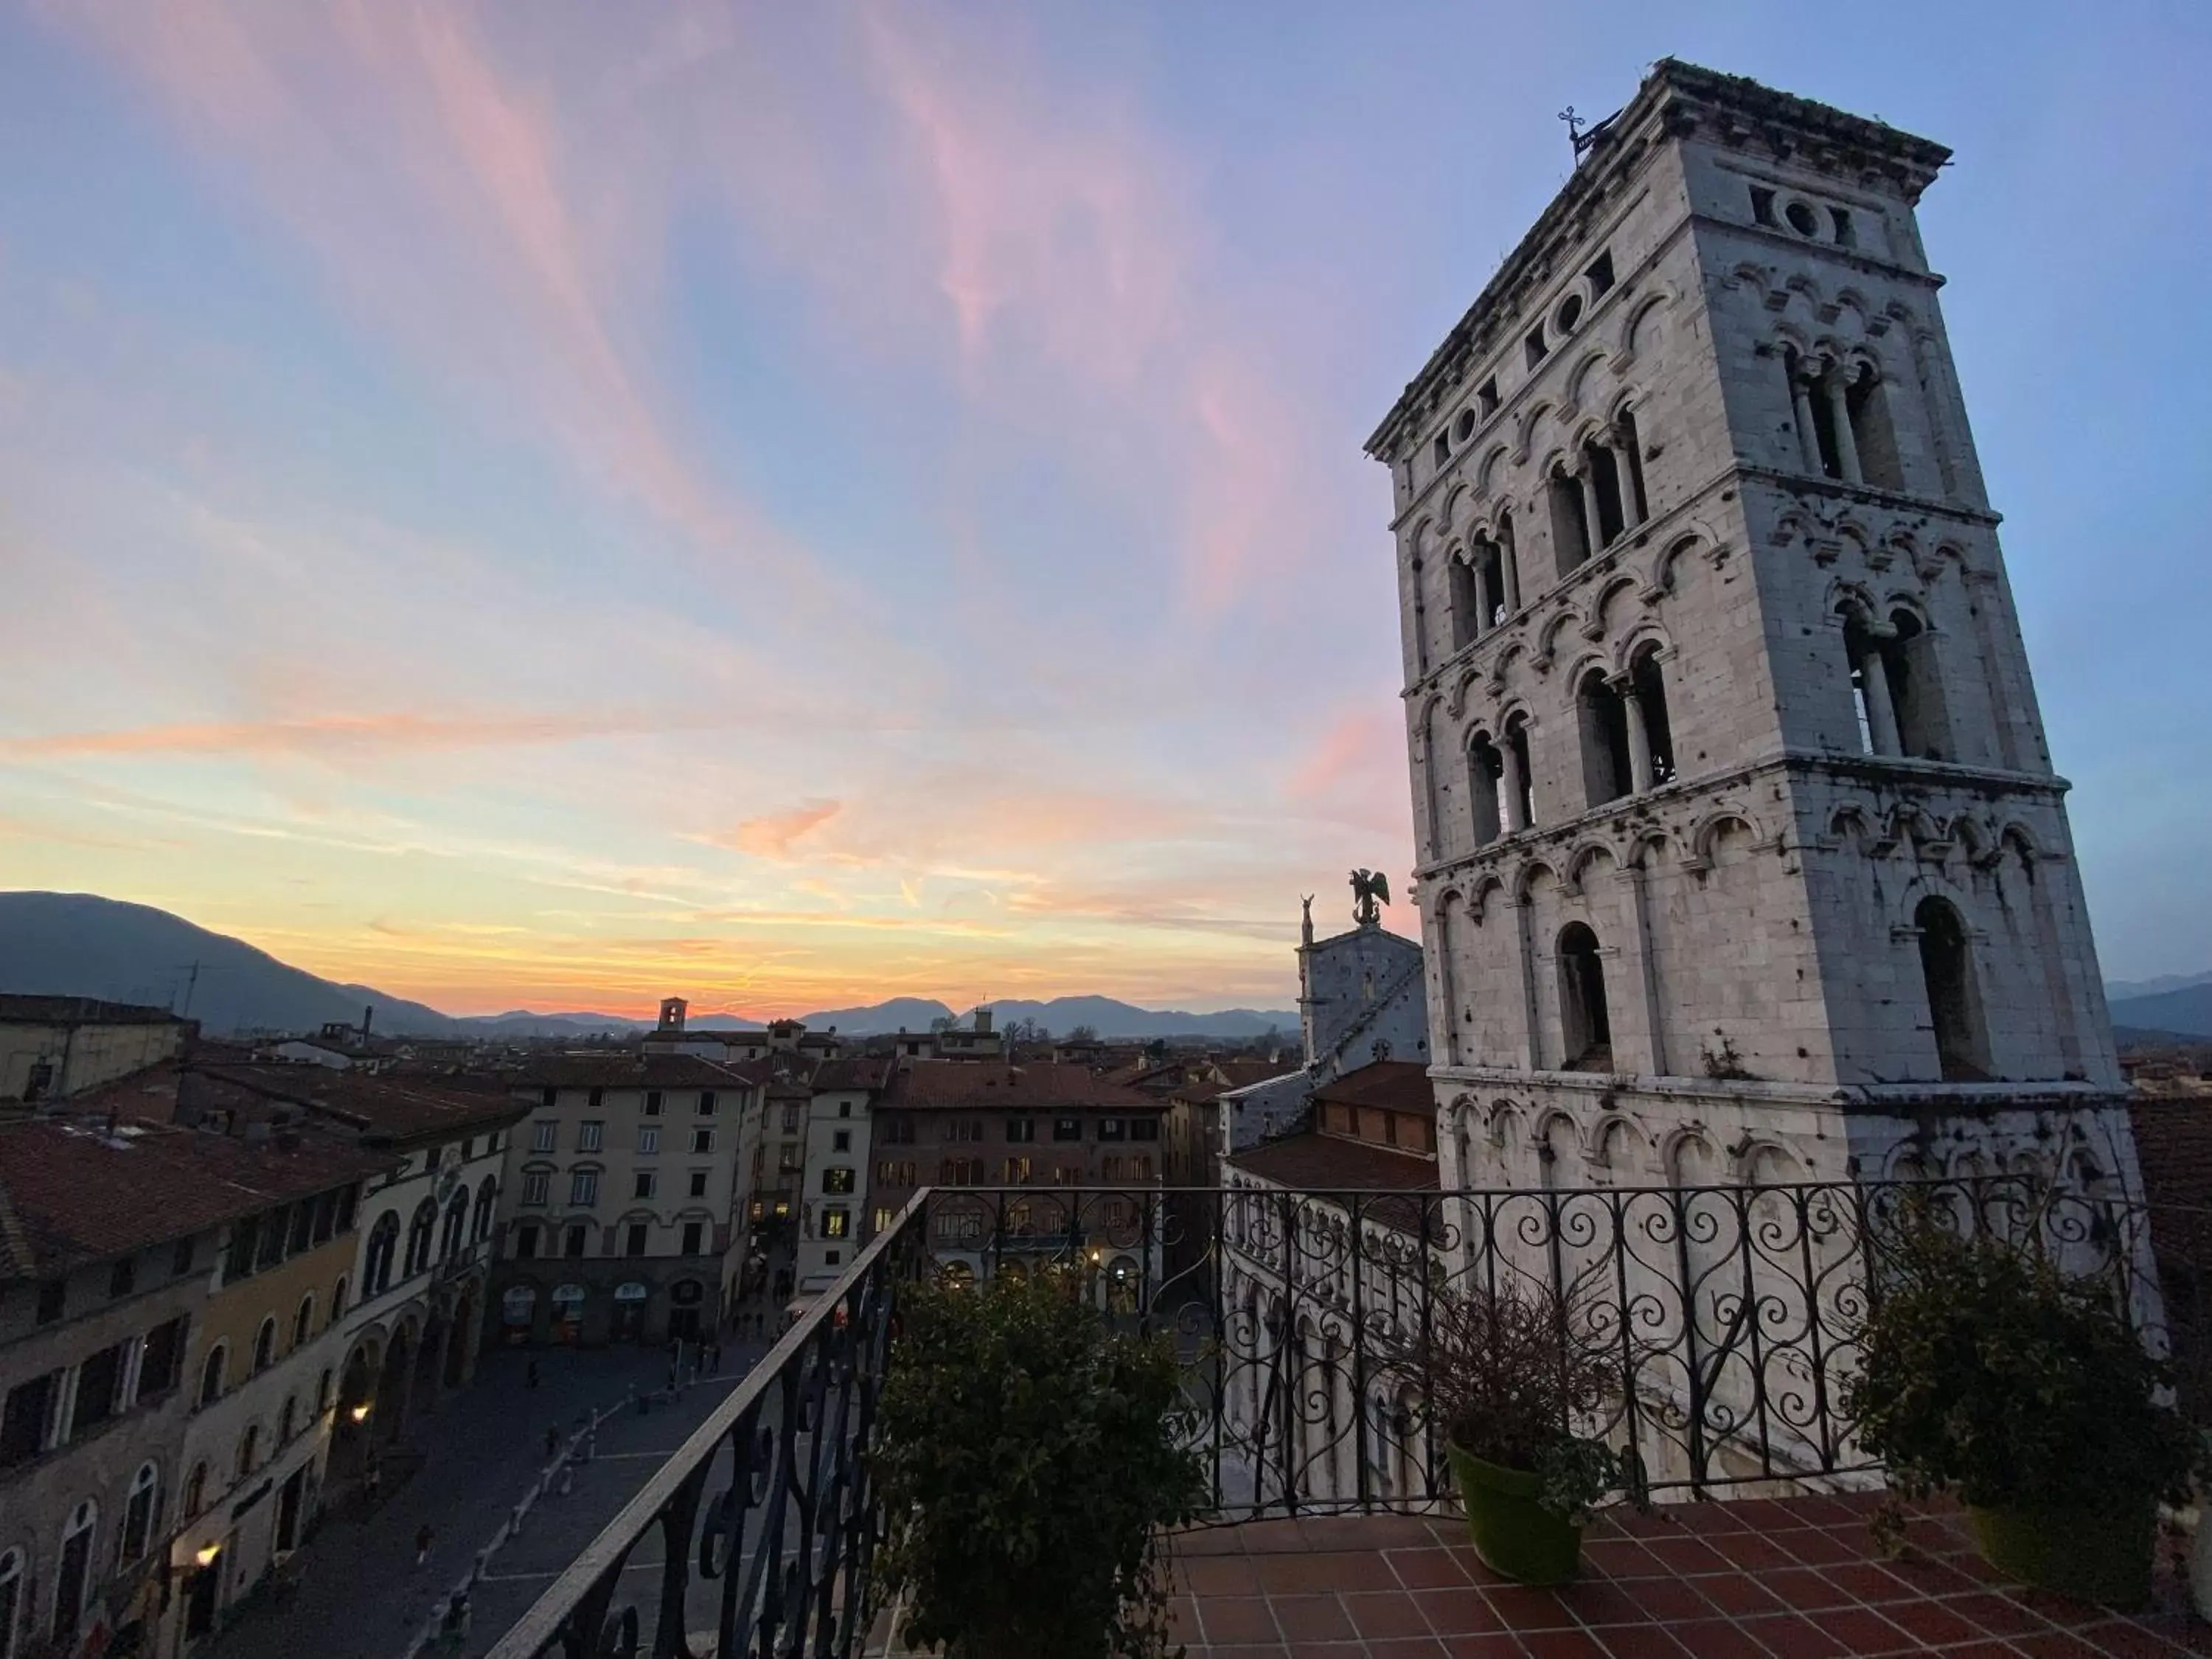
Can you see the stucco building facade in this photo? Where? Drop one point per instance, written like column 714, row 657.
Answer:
column 1742, row 855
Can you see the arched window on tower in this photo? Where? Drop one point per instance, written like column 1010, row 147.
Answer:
column 1866, row 406
column 1570, row 524
column 1486, row 778
column 1954, row 1005
column 1606, row 492
column 1650, row 687
column 211, row 1369
column 1633, row 501
column 1466, row 602
column 1607, row 771
column 1519, row 794
column 1915, row 690
column 1585, row 1025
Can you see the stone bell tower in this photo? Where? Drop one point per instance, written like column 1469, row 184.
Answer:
column 1740, row 853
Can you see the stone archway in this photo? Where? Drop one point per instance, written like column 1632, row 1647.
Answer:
column 350, row 1427
column 461, row 1338
column 394, row 1381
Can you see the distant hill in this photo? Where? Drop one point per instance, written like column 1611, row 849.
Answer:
column 82, row 944
column 2126, row 990
column 2187, row 1010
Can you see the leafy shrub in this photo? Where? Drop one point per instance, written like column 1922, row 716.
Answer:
column 1027, row 1456
column 1987, row 1371
column 1505, row 1374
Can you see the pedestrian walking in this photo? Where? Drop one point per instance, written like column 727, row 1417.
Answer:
column 372, row 1483
column 424, row 1536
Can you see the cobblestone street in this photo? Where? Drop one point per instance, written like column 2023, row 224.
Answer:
column 361, row 1596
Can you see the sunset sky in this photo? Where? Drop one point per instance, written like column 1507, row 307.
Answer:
column 557, row 505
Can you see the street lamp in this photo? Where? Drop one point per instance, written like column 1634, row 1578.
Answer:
column 206, row 1554
column 360, row 1413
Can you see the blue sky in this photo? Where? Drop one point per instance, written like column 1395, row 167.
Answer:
column 801, row 504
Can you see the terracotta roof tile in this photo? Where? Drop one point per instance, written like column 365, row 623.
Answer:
column 986, row 1084
column 80, row 1193
column 381, row 1106
column 1401, row 1084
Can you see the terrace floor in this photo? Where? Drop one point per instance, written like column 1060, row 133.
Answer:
column 1797, row 1578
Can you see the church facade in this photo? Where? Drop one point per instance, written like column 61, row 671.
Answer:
column 1741, row 855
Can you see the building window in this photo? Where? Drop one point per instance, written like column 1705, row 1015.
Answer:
column 122, row 1276
column 836, row 1222
column 884, row 1217
column 487, row 1208
column 52, row 1295
column 1953, row 1001
column 702, row 1141
column 1067, row 1128
column 303, row 1321
column 652, row 1102
column 23, row 1423
column 99, row 1383
column 180, row 1258
column 583, row 1188
column 526, row 1241
column 1014, row 1172
column 73, row 1575
column 383, row 1249
column 161, row 1359
column 542, row 1134
column 633, row 1241
column 894, row 1172
column 643, row 1183
column 249, row 1452
column 838, row 1178
column 596, row 1098
column 694, row 1236
column 699, row 1183
column 1584, row 1022
column 1112, row 1129
column 537, row 1185
column 573, row 1243
column 1021, row 1128
column 338, row 1299
column 706, row 1103
column 1608, row 772
column 963, row 1129
column 791, row 1120
column 322, row 1392
column 844, row 1109
column 1143, row 1128
column 648, row 1141
column 195, row 1498
column 421, row 1236
column 591, row 1135
column 287, row 1420
column 138, row 1512
column 841, row 1141
column 897, row 1131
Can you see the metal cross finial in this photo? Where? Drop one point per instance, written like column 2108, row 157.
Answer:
column 1574, row 126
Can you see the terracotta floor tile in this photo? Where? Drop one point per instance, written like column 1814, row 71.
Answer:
column 1669, row 1601
column 1427, row 1568
column 1803, row 1589
column 1862, row 1630
column 1792, row 1636
column 1407, row 1647
column 1523, row 1607
column 1237, row 1619
column 1717, row 1639
column 1639, row 1642
column 1620, row 1557
column 1561, row 1645
column 1931, row 1622
column 1496, row 1645
column 1219, row 1575
column 1999, row 1615
column 1749, row 1551
column 2128, row 1640
column 2057, row 1644
column 1463, row 1612
column 1327, row 1570
column 1385, row 1614
column 1738, row 1594
column 1599, row 1601
column 1867, row 1581
column 1312, row 1618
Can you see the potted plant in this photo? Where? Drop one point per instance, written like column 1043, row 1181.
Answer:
column 1027, row 1457
column 1505, row 1375
column 1988, row 1373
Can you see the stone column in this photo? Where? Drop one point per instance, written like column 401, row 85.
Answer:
column 1485, row 600
column 1808, row 436
column 1508, row 804
column 1508, row 567
column 1639, row 741
column 1587, row 483
column 1882, row 713
column 1839, row 416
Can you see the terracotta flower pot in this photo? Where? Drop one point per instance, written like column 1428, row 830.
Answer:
column 1513, row 1533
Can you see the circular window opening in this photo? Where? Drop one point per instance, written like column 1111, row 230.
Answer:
column 1465, row 426
column 1569, row 313
column 1802, row 219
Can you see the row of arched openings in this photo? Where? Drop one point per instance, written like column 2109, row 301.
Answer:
column 1626, row 740
column 465, row 1223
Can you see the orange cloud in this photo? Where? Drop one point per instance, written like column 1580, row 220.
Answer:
column 323, row 735
column 771, row 837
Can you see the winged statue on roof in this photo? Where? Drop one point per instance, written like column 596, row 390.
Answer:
column 1369, row 889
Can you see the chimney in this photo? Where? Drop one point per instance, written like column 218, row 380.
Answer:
column 367, row 1013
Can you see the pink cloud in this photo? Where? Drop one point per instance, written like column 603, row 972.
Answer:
column 324, row 735
column 771, row 837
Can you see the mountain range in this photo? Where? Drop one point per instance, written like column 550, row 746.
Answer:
column 82, row 944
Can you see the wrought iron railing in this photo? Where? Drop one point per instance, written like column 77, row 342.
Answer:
column 1730, row 1316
